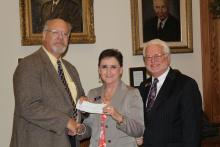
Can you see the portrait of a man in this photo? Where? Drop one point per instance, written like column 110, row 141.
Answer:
column 69, row 10
column 161, row 19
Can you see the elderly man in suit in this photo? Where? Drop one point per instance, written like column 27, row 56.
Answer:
column 163, row 25
column 172, row 102
column 70, row 10
column 45, row 93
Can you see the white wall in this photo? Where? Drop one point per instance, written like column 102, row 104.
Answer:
column 112, row 29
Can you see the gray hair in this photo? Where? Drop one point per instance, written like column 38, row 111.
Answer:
column 165, row 47
column 52, row 19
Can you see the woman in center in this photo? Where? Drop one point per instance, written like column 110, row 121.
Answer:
column 122, row 119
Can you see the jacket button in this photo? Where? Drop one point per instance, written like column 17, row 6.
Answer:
column 109, row 141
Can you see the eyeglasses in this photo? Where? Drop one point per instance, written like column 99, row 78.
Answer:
column 156, row 57
column 111, row 67
column 57, row 33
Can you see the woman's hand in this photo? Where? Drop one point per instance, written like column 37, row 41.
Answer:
column 83, row 98
column 110, row 110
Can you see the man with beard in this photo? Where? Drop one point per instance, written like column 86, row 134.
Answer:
column 46, row 88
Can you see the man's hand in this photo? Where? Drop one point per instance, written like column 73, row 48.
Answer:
column 75, row 128
column 81, row 129
column 72, row 127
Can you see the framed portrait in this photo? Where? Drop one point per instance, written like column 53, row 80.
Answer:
column 137, row 75
column 34, row 13
column 173, row 27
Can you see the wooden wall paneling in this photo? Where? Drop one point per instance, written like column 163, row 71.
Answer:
column 210, row 63
column 215, row 64
column 206, row 44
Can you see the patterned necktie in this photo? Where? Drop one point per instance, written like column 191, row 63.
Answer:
column 152, row 95
column 102, row 137
column 62, row 78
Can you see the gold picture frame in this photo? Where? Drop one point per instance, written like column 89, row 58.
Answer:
column 29, row 11
column 185, row 45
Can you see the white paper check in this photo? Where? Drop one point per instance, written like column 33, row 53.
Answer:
column 90, row 107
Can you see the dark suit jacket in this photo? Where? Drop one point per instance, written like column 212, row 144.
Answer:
column 42, row 105
column 175, row 118
column 170, row 31
column 69, row 10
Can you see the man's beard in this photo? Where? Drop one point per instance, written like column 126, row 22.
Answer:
column 59, row 50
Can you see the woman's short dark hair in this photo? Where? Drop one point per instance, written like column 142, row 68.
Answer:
column 111, row 53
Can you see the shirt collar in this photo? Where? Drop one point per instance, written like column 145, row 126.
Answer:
column 52, row 58
column 162, row 21
column 162, row 77
column 56, row 2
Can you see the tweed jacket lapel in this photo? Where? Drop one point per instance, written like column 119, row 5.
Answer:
column 53, row 74
column 75, row 78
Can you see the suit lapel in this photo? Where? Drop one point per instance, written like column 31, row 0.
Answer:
column 53, row 74
column 165, row 90
column 146, row 87
column 119, row 95
column 59, row 9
